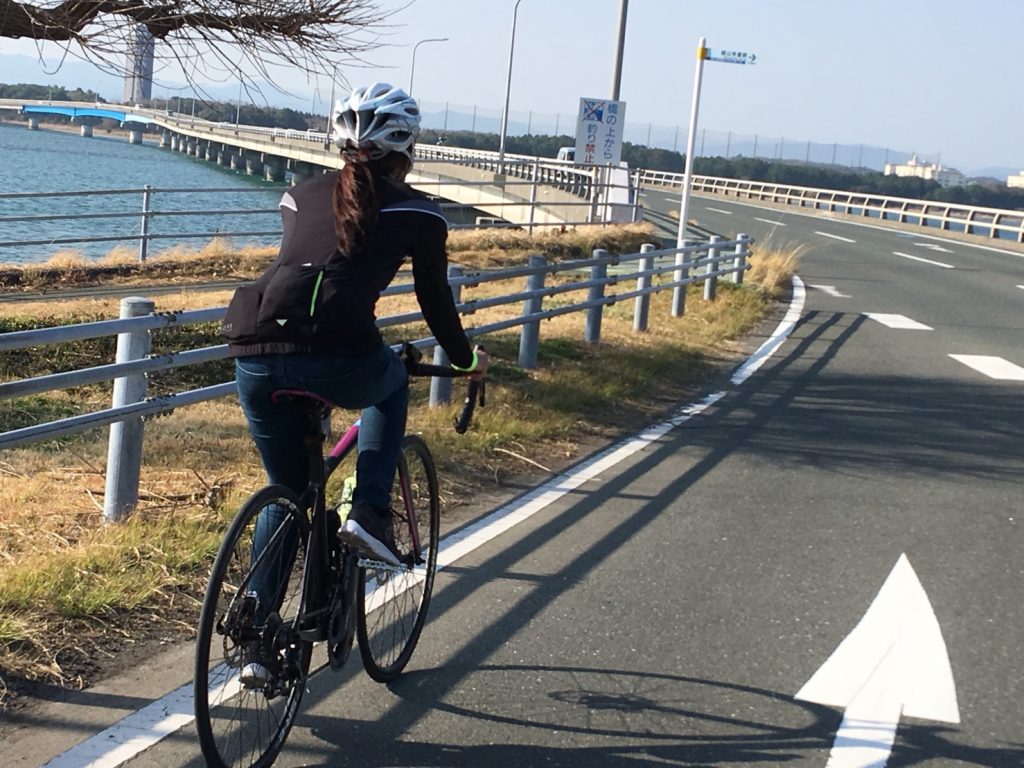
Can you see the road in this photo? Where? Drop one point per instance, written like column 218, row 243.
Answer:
column 821, row 563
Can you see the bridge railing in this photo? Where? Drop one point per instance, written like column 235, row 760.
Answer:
column 993, row 223
column 588, row 285
column 174, row 215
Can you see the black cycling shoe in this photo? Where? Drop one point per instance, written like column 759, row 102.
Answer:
column 368, row 529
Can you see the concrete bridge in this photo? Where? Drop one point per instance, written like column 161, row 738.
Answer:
column 522, row 190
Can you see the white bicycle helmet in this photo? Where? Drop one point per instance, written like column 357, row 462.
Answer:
column 376, row 120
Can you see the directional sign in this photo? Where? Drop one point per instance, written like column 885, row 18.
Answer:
column 729, row 57
column 893, row 663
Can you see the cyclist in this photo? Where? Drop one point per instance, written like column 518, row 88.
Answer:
column 309, row 321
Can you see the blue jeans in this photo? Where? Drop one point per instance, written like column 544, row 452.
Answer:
column 377, row 383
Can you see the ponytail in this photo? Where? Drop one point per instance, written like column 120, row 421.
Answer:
column 355, row 197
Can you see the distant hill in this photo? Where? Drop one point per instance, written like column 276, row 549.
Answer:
column 994, row 172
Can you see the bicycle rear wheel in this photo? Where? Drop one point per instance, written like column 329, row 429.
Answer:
column 393, row 602
column 246, row 620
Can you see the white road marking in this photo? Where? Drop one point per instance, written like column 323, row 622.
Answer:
column 1021, row 287
column 769, row 221
column 719, row 210
column 149, row 725
column 893, row 663
column 836, row 237
column 767, row 349
column 993, row 367
column 831, row 290
column 924, row 261
column 933, row 247
column 899, row 322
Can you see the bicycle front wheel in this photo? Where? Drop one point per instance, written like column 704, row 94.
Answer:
column 249, row 663
column 393, row 602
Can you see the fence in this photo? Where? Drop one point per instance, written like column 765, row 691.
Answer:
column 572, row 197
column 993, row 223
column 653, row 270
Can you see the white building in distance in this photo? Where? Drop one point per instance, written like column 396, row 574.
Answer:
column 946, row 177
column 1016, row 181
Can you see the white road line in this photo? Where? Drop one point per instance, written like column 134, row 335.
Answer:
column 993, row 367
column 719, row 210
column 766, row 350
column 933, row 247
column 924, row 261
column 769, row 221
column 149, row 725
column 1021, row 287
column 836, row 237
column 899, row 322
column 831, row 290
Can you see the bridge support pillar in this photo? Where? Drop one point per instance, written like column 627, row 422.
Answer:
column 223, row 157
column 253, row 166
column 300, row 172
column 33, row 124
column 165, row 139
column 273, row 169
column 211, row 152
column 189, row 146
column 86, row 131
column 134, row 136
column 200, row 150
column 237, row 161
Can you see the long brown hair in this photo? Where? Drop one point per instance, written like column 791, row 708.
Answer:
column 355, row 198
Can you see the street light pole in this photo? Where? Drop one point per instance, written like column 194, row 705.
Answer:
column 617, row 67
column 412, row 69
column 508, row 91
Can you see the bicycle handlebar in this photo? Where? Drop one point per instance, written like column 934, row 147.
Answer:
column 475, row 392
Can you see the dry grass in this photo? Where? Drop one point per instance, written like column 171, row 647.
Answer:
column 70, row 586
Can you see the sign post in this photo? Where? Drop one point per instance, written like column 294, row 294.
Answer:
column 599, row 131
column 703, row 53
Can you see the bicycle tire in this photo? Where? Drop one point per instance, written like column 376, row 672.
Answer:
column 392, row 605
column 239, row 725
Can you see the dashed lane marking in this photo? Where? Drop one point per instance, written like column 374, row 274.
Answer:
column 769, row 221
column 993, row 367
column 719, row 210
column 836, row 237
column 899, row 322
column 924, row 261
column 933, row 247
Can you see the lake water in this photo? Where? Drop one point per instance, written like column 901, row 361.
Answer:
column 56, row 161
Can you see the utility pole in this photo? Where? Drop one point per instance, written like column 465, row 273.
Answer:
column 617, row 67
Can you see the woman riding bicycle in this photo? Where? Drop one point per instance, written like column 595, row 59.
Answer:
column 308, row 322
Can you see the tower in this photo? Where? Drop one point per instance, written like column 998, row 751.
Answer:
column 138, row 77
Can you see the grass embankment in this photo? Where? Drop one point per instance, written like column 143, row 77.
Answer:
column 73, row 592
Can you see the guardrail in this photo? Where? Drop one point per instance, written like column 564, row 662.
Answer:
column 992, row 223
column 177, row 204
column 652, row 269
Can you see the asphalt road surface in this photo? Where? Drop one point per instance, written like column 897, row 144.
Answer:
column 820, row 563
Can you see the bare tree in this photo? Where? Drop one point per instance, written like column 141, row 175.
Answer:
column 204, row 37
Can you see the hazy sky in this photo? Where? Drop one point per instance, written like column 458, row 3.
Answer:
column 932, row 76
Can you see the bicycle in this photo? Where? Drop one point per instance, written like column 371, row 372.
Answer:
column 328, row 592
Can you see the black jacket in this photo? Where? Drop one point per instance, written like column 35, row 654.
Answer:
column 315, row 299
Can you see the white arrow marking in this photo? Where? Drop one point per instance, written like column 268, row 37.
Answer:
column 893, row 663
column 899, row 322
column 831, row 291
column 924, row 261
column 934, row 247
column 836, row 237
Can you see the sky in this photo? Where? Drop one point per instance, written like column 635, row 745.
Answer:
column 937, row 77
